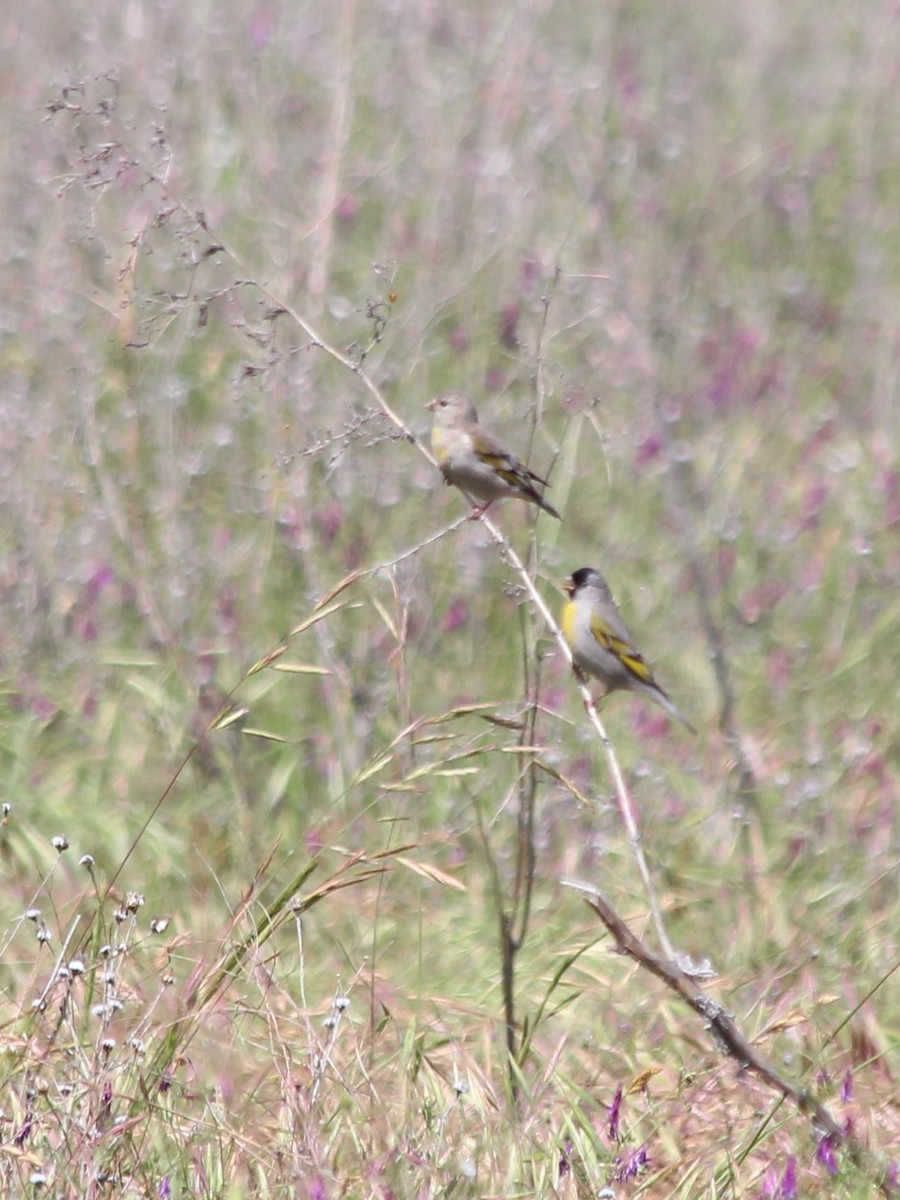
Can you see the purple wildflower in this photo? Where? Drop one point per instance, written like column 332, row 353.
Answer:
column 164, row 1188
column 99, row 581
column 564, row 1164
column 346, row 208
column 640, row 1159
column 43, row 707
column 26, row 1127
column 86, row 628
column 630, row 1165
column 614, row 1111
column 825, row 1154
column 456, row 615
column 317, row 1189
column 649, row 449
column 847, row 1087
column 789, row 1180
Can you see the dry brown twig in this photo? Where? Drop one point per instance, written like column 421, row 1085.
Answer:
column 729, row 1039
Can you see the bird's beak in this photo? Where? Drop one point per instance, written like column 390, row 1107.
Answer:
column 431, row 405
column 569, row 586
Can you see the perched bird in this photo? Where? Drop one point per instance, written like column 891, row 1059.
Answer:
column 601, row 644
column 475, row 461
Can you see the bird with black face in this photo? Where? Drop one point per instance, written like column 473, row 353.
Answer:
column 600, row 642
column 474, row 461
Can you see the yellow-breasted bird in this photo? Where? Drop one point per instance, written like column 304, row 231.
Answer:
column 601, row 644
column 475, row 461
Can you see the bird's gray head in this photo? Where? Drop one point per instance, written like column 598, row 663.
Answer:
column 585, row 577
column 450, row 408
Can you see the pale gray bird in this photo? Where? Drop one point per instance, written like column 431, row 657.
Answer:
column 475, row 461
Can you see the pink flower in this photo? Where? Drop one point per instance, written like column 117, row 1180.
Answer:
column 346, row 208
column 455, row 617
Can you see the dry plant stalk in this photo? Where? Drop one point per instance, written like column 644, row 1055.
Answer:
column 729, row 1040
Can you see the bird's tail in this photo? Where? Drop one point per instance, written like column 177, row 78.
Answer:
column 664, row 702
column 548, row 508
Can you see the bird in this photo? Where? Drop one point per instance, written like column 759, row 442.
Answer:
column 473, row 460
column 601, row 644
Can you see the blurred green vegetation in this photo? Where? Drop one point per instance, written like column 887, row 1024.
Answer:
column 658, row 245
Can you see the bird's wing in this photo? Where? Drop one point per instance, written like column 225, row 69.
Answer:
column 534, row 475
column 612, row 641
column 487, row 446
column 508, row 465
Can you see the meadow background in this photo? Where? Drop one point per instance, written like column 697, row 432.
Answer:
column 659, row 244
